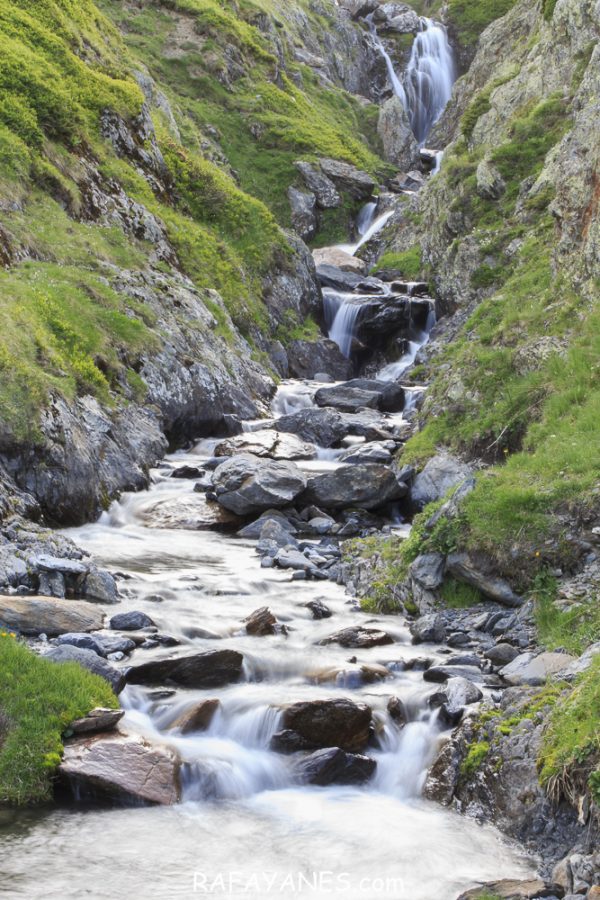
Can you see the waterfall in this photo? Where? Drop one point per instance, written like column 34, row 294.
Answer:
column 343, row 327
column 429, row 77
column 394, row 371
column 397, row 85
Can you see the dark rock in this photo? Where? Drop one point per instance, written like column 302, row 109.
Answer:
column 356, row 636
column 261, row 622
column 211, row 668
column 196, row 718
column 187, row 472
column 90, row 661
column 428, row 570
column 326, row 723
column 346, row 399
column 246, row 485
column 462, row 567
column 85, row 641
column 288, row 741
column 97, row 720
column 318, row 609
column 324, row 427
column 365, row 486
column 429, row 629
column 501, row 654
column 439, row 673
column 308, row 358
column 397, row 711
column 130, row 621
column 334, row 766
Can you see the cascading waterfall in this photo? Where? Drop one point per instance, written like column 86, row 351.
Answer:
column 343, row 326
column 429, row 77
column 396, row 83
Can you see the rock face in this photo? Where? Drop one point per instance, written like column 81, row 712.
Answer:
column 123, row 768
column 303, row 212
column 364, row 486
column 246, row 485
column 534, row 670
column 399, row 144
column 465, row 569
column 212, row 668
column 334, row 766
column 307, row 358
column 90, row 661
column 329, row 723
column 439, row 475
column 44, row 615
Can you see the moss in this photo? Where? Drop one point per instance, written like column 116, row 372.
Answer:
column 474, row 758
column 38, row 700
column 408, row 262
column 470, row 17
column 548, row 9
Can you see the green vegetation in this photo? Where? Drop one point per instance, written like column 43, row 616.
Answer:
column 570, row 754
column 458, row 595
column 38, row 701
column 573, row 629
column 470, row 17
column 474, row 758
column 408, row 262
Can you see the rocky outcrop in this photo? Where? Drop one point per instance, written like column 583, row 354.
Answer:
column 363, row 486
column 246, row 485
column 399, row 144
column 212, row 668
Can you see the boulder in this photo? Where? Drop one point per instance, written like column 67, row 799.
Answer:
column 303, row 208
column 190, row 512
column 346, row 399
column 348, row 178
column 400, row 146
column 429, row 629
column 398, row 17
column 534, row 670
column 462, row 567
column 339, row 259
column 122, row 767
column 211, row 668
column 266, row 443
column 187, row 472
column 439, row 475
column 458, row 693
column 46, row 615
column 364, row 486
column 261, row 622
column 378, row 452
column 397, row 711
column 501, row 654
column 358, row 8
column 428, row 570
column 273, row 537
column 100, row 586
column 90, row 661
column 441, row 673
column 47, row 563
column 131, row 621
column 324, row 427
column 85, row 641
column 318, row 609
column 308, row 358
column 196, row 718
column 254, row 530
column 246, row 485
column 327, row 196
column 339, row 279
column 391, row 394
column 335, row 766
column 330, row 723
column 490, row 184
column 97, row 720
column 357, row 636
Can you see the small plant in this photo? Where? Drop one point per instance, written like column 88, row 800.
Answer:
column 474, row 758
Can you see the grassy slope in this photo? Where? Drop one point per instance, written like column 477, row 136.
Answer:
column 38, row 701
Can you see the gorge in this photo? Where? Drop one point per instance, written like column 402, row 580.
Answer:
column 299, row 449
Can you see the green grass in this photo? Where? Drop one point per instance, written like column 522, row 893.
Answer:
column 474, row 758
column 458, row 595
column 38, row 701
column 470, row 17
column 408, row 262
column 572, row 630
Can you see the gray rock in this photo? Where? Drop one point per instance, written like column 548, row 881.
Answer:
column 131, row 621
column 441, row 673
column 323, row 427
column 428, row 570
column 334, row 766
column 246, row 485
column 294, row 559
column 57, row 564
column 534, row 670
column 85, row 641
column 100, row 586
column 303, row 212
column 90, row 661
column 357, row 636
column 461, row 566
column 275, row 534
column 254, row 529
column 318, row 609
column 346, row 399
column 211, row 668
column 501, row 654
column 439, row 475
column 308, row 358
column 490, row 184
column 97, row 720
column 429, row 629
column 399, row 143
column 320, row 185
column 113, row 643
column 44, row 615
column 378, row 452
column 348, row 178
column 458, row 693
column 360, row 485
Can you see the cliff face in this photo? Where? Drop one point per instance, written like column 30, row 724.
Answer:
column 148, row 283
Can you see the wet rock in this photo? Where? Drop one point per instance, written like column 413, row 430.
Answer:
column 246, row 485
column 501, row 654
column 443, row 775
column 267, row 443
column 534, row 670
column 187, row 472
column 191, row 512
column 211, row 668
column 294, row 559
column 346, row 399
column 85, row 641
column 377, row 452
column 253, row 531
column 440, row 673
column 90, row 661
column 261, row 622
column 303, row 207
column 318, row 609
column 196, row 718
column 97, row 720
column 464, row 568
column 397, row 711
column 364, row 486
column 439, row 475
column 391, row 395
column 325, row 723
column 308, row 358
column 338, row 279
column 273, row 537
column 457, row 693
column 131, row 621
column 334, row 766
column 122, row 767
column 100, row 585
column 510, row 890
column 348, row 178
column 323, row 427
column 288, row 741
column 356, row 636
column 113, row 643
column 429, row 629
column 45, row 615
column 339, row 259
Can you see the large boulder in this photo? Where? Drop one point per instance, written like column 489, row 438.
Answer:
column 399, row 143
column 462, row 567
column 320, row 185
column 439, row 475
column 303, row 208
column 46, row 615
column 429, row 629
column 334, row 256
column 90, row 661
column 334, row 766
column 349, row 179
column 378, row 452
column 190, row 512
column 324, row 427
column 308, row 358
column 397, row 17
column 246, row 485
column 534, row 670
column 122, row 767
column 364, row 486
column 357, row 636
column 329, row 723
column 346, row 399
column 266, row 443
column 211, row 668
